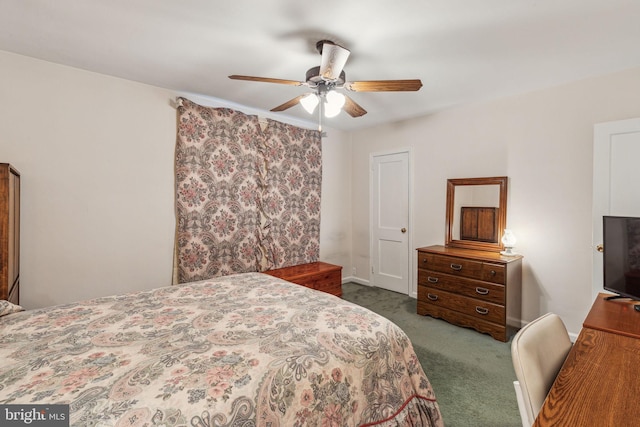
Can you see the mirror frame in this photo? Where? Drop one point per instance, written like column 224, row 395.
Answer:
column 501, row 181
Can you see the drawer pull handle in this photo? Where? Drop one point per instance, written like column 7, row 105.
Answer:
column 493, row 272
column 482, row 310
column 432, row 279
column 432, row 297
column 424, row 260
column 482, row 291
column 456, row 267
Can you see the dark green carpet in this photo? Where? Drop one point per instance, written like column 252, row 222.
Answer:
column 471, row 373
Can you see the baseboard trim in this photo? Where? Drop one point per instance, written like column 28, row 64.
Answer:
column 357, row 280
column 365, row 282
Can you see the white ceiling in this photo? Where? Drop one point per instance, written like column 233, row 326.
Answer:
column 462, row 50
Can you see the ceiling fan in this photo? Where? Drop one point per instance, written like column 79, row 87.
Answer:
column 325, row 79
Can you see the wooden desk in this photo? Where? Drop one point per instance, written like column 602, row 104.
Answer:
column 599, row 382
column 615, row 316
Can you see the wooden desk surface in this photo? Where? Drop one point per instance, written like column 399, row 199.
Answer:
column 616, row 316
column 599, row 382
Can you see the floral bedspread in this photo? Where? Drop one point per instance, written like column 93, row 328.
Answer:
column 247, row 349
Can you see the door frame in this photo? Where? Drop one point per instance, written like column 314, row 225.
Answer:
column 602, row 133
column 413, row 291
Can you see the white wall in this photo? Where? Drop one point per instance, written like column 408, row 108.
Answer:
column 543, row 141
column 335, row 213
column 95, row 155
column 96, row 158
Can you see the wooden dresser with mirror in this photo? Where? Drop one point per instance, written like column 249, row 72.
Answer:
column 468, row 282
column 9, row 233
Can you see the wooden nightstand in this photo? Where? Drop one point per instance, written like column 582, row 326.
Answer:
column 316, row 275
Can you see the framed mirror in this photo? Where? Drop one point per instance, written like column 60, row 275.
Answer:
column 476, row 213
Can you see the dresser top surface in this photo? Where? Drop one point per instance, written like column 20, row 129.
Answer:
column 470, row 253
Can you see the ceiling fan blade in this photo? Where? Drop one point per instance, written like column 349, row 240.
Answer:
column 333, row 59
column 290, row 103
column 384, row 85
column 352, row 108
column 266, row 80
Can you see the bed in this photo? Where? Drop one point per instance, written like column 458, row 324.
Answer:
column 241, row 350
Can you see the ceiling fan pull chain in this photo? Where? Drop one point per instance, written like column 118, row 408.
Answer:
column 320, row 108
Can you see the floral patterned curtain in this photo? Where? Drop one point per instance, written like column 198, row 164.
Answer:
column 290, row 201
column 247, row 197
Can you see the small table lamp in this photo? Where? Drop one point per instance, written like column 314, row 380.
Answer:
column 509, row 241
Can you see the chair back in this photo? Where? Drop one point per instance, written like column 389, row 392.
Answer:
column 538, row 351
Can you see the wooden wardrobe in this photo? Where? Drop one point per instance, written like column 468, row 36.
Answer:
column 9, row 233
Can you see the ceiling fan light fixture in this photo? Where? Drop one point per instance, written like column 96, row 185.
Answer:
column 334, row 58
column 335, row 99
column 334, row 103
column 309, row 102
column 329, row 76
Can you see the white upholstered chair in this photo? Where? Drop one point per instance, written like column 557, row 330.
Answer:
column 538, row 351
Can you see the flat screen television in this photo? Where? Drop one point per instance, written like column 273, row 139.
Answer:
column 621, row 257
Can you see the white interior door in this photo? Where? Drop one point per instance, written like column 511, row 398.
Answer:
column 390, row 222
column 616, row 150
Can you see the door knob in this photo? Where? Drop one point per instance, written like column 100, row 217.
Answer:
column 404, row 230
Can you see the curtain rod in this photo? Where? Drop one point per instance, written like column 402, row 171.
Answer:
column 263, row 116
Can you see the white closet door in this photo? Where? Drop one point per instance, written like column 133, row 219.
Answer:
column 390, row 222
column 616, row 180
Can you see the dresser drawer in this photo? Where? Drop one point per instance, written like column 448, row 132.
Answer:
column 450, row 265
column 494, row 273
column 328, row 282
column 496, row 330
column 470, row 306
column 331, row 288
column 485, row 291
